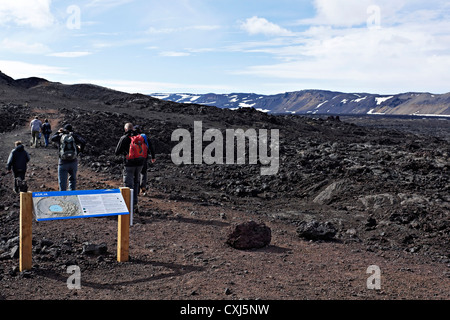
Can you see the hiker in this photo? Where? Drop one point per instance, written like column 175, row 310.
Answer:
column 134, row 149
column 46, row 131
column 36, row 126
column 70, row 145
column 17, row 164
column 143, row 175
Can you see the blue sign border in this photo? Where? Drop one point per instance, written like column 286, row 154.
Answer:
column 82, row 217
column 73, row 193
column 76, row 193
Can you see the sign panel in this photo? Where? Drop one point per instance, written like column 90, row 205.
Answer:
column 78, row 204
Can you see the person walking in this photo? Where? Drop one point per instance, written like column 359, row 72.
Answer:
column 46, row 131
column 17, row 164
column 36, row 127
column 70, row 145
column 143, row 175
column 134, row 150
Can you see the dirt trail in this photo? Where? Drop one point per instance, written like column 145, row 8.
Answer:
column 178, row 252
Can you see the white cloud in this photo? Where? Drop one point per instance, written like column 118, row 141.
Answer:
column 153, row 30
column 347, row 13
column 107, row 3
column 32, row 13
column 341, row 13
column 174, row 54
column 70, row 54
column 17, row 46
column 256, row 25
column 409, row 52
column 19, row 69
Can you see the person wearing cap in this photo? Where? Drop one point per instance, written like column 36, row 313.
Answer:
column 132, row 167
column 67, row 169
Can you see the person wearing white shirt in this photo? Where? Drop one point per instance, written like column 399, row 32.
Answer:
column 36, row 127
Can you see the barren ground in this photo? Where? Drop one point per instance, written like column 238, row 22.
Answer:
column 178, row 252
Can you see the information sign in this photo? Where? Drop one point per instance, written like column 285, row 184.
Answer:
column 78, row 204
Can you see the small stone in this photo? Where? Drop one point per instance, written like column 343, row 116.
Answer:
column 94, row 249
column 14, row 253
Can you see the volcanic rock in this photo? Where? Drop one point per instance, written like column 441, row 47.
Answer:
column 94, row 249
column 314, row 230
column 14, row 252
column 327, row 195
column 250, row 235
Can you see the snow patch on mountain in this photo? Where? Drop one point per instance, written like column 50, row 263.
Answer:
column 380, row 100
column 322, row 102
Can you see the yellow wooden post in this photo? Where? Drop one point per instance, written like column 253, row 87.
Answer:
column 26, row 233
column 123, row 232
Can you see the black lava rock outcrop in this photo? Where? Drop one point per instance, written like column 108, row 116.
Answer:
column 314, row 230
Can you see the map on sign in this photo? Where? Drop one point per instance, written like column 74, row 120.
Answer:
column 78, row 204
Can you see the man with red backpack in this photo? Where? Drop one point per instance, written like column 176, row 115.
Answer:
column 135, row 151
column 151, row 153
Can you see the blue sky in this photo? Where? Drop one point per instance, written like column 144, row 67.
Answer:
column 227, row 46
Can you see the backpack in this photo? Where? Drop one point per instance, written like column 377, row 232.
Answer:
column 68, row 148
column 138, row 148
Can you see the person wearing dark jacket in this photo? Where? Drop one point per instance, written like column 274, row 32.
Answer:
column 17, row 161
column 68, row 166
column 132, row 167
column 46, row 131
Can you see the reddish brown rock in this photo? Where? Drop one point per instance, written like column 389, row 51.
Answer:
column 250, row 235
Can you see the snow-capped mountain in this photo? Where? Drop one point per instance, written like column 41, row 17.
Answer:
column 233, row 100
column 323, row 102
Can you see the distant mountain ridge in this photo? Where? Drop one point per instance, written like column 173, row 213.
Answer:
column 297, row 102
column 39, row 91
column 323, row 102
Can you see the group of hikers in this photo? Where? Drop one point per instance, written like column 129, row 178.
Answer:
column 134, row 146
column 37, row 129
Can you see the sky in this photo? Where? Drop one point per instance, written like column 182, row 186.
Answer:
column 230, row 46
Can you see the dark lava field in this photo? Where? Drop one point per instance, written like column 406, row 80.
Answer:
column 379, row 183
